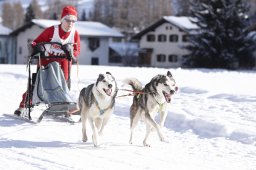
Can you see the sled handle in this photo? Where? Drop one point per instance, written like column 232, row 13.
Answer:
column 57, row 43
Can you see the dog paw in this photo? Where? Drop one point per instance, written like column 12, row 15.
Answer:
column 162, row 139
column 84, row 139
column 152, row 129
column 95, row 141
column 146, row 145
column 165, row 141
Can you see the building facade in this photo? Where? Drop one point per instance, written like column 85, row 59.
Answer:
column 162, row 44
column 5, row 41
column 95, row 39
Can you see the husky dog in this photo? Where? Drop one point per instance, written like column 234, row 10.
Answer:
column 96, row 103
column 153, row 98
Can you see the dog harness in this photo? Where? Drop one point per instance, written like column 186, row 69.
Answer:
column 102, row 111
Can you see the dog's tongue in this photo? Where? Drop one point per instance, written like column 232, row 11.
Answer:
column 109, row 91
column 167, row 97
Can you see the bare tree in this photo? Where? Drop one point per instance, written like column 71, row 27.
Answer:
column 18, row 15
column 137, row 15
column 130, row 14
column 37, row 9
column 98, row 10
column 181, row 7
column 8, row 15
column 12, row 15
column 56, row 6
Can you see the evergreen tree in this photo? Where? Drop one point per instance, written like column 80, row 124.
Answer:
column 221, row 41
column 54, row 16
column 30, row 14
column 83, row 17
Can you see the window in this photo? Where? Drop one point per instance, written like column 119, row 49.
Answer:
column 160, row 58
column 151, row 37
column 173, row 38
column 161, row 38
column 114, row 57
column 117, row 39
column 185, row 38
column 0, row 49
column 20, row 50
column 168, row 27
column 94, row 43
column 95, row 61
column 173, row 58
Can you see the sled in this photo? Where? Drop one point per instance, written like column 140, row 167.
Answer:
column 48, row 87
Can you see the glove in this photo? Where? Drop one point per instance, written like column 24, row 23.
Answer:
column 69, row 57
column 68, row 49
column 38, row 49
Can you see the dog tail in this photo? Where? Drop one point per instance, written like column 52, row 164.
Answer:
column 134, row 83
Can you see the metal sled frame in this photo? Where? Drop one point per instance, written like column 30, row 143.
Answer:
column 53, row 108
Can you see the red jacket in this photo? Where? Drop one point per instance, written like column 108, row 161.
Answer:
column 47, row 35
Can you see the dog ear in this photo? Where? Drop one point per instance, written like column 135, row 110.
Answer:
column 169, row 74
column 101, row 77
column 108, row 73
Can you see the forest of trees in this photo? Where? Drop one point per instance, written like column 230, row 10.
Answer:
column 14, row 16
column 128, row 15
column 221, row 43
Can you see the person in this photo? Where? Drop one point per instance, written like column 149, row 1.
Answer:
column 64, row 33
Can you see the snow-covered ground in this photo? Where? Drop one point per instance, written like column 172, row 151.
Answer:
column 211, row 124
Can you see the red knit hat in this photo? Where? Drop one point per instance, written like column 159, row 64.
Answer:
column 68, row 10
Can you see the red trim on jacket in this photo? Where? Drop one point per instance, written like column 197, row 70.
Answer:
column 47, row 35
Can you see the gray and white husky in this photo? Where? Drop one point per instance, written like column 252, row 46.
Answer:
column 154, row 99
column 96, row 103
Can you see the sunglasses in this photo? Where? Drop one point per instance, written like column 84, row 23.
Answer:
column 69, row 20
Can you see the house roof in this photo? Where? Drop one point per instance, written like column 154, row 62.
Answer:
column 4, row 30
column 85, row 28
column 181, row 22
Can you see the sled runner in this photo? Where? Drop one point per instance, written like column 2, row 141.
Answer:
column 48, row 86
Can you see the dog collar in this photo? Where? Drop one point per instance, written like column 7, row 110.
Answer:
column 102, row 111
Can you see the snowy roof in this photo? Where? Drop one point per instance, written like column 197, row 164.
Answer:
column 4, row 30
column 85, row 28
column 181, row 22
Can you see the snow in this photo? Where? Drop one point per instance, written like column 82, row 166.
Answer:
column 85, row 28
column 4, row 30
column 182, row 22
column 211, row 125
